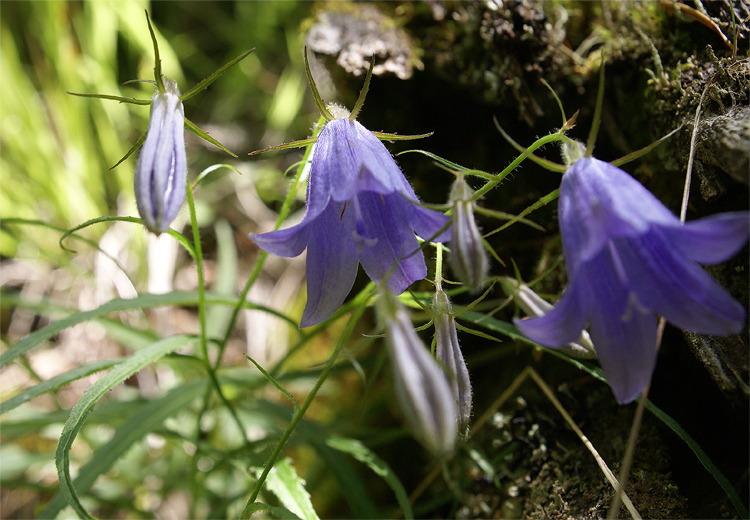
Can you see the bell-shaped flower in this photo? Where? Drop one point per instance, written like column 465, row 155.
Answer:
column 629, row 257
column 360, row 209
column 468, row 257
column 422, row 388
column 161, row 172
column 448, row 352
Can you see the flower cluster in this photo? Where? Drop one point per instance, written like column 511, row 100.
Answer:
column 629, row 257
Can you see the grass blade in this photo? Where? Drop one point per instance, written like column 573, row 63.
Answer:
column 82, row 408
column 56, row 382
column 142, row 422
column 144, row 301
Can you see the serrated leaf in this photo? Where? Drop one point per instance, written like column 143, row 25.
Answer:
column 273, row 511
column 284, row 482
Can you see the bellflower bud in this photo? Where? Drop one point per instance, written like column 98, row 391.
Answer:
column 422, row 388
column 468, row 257
column 161, row 172
column 448, row 352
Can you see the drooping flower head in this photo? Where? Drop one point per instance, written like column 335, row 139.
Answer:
column 161, row 172
column 629, row 257
column 360, row 209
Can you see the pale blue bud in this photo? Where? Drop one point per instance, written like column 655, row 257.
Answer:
column 161, row 172
column 422, row 388
column 468, row 257
column 448, row 352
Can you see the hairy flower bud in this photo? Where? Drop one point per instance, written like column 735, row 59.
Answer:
column 422, row 387
column 161, row 172
column 468, row 258
column 448, row 352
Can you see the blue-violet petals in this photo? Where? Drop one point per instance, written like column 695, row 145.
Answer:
column 629, row 257
column 360, row 209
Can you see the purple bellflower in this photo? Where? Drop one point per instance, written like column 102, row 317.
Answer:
column 360, row 209
column 161, row 173
column 629, row 257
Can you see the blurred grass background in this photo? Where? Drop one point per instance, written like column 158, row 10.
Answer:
column 55, row 155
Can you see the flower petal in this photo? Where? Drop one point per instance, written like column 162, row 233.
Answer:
column 599, row 201
column 623, row 332
column 349, row 159
column 427, row 222
column 395, row 250
column 677, row 288
column 710, row 240
column 564, row 322
column 331, row 264
column 284, row 242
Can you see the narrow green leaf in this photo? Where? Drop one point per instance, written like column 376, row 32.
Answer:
column 211, row 169
column 56, row 382
column 157, row 58
column 284, row 482
column 130, row 152
column 121, row 99
column 84, row 405
column 742, row 512
column 316, row 95
column 203, row 135
column 553, row 166
column 294, row 144
column 538, row 204
column 445, row 162
column 363, row 454
column 274, row 383
column 151, row 415
column 646, row 149
column 206, row 82
column 397, row 137
column 363, row 93
column 143, row 301
column 91, row 222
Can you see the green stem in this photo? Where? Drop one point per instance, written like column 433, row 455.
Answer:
column 285, row 208
column 439, row 267
column 297, row 417
column 512, row 166
column 210, row 369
